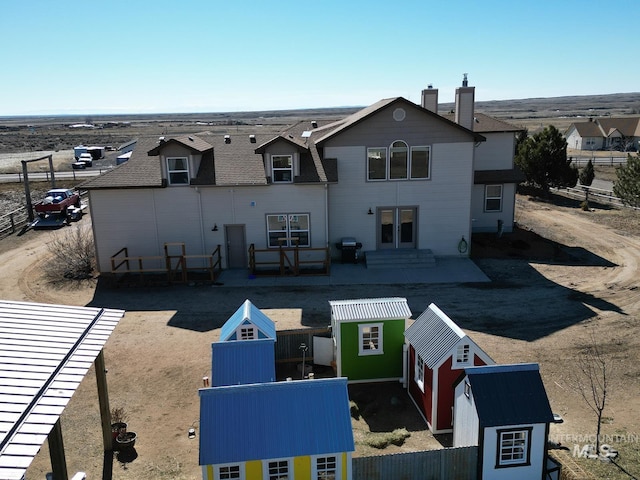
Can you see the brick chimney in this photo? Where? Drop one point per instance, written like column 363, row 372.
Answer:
column 465, row 99
column 430, row 99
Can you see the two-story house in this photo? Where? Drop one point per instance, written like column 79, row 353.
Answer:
column 394, row 175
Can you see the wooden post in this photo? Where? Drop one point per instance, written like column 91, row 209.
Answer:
column 103, row 399
column 27, row 191
column 56, row 453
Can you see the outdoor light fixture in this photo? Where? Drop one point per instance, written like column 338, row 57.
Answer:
column 215, row 227
column 370, row 212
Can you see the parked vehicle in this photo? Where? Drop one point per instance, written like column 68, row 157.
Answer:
column 57, row 200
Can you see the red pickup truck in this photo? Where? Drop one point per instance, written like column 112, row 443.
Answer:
column 57, row 200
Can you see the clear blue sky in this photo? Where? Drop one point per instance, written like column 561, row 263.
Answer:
column 135, row 56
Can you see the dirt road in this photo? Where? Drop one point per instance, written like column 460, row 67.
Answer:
column 542, row 310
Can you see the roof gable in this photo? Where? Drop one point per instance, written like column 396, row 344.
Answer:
column 509, row 395
column 248, row 314
column 370, row 309
column 367, row 112
column 191, row 142
column 434, row 336
column 274, row 420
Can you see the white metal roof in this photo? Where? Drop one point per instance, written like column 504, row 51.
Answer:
column 45, row 352
column 370, row 309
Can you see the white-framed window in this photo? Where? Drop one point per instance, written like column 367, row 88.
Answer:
column 282, row 168
column 398, row 160
column 514, row 447
column 402, row 162
column 370, row 339
column 420, row 163
column 419, row 372
column 493, row 198
column 376, row 163
column 230, row 472
column 462, row 354
column 288, row 230
column 246, row 332
column 178, row 170
column 326, row 468
column 278, row 470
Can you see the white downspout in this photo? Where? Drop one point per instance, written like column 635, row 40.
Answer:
column 202, row 237
column 405, row 365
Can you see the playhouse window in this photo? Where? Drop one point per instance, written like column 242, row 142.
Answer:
column 419, row 373
column 514, row 447
column 462, row 354
column 246, row 333
column 278, row 470
column 229, row 472
column 326, row 468
column 370, row 335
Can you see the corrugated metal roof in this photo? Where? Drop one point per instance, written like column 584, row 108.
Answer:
column 45, row 352
column 370, row 309
column 248, row 313
column 509, row 394
column 274, row 420
column 238, row 363
column 433, row 335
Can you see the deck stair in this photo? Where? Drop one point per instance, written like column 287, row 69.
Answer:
column 400, row 258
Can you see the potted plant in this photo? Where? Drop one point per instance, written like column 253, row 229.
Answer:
column 118, row 421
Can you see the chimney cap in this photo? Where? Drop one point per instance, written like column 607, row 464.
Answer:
column 465, row 83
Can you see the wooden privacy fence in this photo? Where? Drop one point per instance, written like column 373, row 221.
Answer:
column 177, row 267
column 445, row 464
column 288, row 343
column 289, row 260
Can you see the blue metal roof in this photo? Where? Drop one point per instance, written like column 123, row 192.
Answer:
column 274, row 420
column 509, row 394
column 248, row 314
column 235, row 363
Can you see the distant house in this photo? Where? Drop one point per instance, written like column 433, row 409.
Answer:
column 504, row 410
column 396, row 176
column 605, row 133
column 299, row 430
column 438, row 352
column 368, row 337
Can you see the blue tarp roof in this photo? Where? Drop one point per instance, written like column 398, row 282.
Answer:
column 274, row 420
column 509, row 394
column 236, row 363
column 248, row 313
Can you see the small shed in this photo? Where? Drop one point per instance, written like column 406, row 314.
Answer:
column 368, row 338
column 295, row 429
column 248, row 323
column 504, row 409
column 438, row 351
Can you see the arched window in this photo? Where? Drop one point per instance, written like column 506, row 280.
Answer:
column 398, row 160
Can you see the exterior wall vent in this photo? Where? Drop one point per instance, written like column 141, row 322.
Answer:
column 227, row 139
column 252, row 138
column 314, row 124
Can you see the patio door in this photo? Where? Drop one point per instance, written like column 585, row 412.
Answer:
column 396, row 227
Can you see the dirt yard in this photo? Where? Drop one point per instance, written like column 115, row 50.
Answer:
column 566, row 276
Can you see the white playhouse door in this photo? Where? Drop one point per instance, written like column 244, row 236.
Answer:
column 322, row 350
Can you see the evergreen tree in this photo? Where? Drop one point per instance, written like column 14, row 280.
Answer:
column 627, row 186
column 543, row 160
column 587, row 174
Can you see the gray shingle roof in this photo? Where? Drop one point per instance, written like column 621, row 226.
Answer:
column 485, row 124
column 509, row 395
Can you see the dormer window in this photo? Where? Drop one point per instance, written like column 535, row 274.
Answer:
column 247, row 332
column 178, row 170
column 282, row 168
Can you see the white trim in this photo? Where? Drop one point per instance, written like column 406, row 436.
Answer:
column 216, row 470
column 419, row 366
column 338, row 464
column 265, row 467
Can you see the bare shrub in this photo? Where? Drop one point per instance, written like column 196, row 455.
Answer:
column 73, row 255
